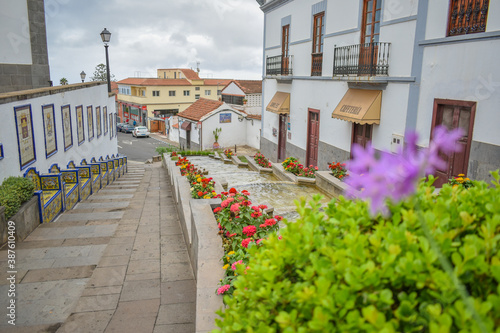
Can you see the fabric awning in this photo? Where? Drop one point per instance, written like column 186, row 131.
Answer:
column 360, row 106
column 280, row 103
column 186, row 126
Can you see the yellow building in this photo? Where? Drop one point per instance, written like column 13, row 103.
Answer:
column 146, row 100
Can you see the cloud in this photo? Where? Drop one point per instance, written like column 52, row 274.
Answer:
column 225, row 36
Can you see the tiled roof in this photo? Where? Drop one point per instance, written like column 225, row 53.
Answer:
column 154, row 82
column 250, row 86
column 199, row 109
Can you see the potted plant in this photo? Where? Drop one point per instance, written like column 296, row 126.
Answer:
column 216, row 133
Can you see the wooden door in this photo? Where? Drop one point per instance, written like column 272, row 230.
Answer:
column 370, row 31
column 282, row 138
column 312, row 138
column 188, row 140
column 454, row 114
column 154, row 126
column 361, row 135
column 285, row 37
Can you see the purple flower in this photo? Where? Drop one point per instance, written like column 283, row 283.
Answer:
column 395, row 176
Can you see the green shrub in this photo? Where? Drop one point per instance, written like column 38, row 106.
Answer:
column 161, row 150
column 243, row 159
column 194, row 153
column 15, row 191
column 342, row 270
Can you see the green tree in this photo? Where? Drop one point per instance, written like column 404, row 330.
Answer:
column 100, row 74
column 63, row 81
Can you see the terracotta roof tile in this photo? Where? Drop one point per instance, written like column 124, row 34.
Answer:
column 188, row 73
column 250, row 86
column 221, row 82
column 199, row 109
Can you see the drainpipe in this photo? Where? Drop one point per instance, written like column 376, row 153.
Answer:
column 201, row 136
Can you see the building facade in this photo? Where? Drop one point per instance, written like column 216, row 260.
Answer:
column 147, row 100
column 339, row 73
column 24, row 60
column 244, row 94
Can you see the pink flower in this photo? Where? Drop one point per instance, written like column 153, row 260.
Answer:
column 278, row 218
column 262, row 207
column 256, row 214
column 223, row 289
column 280, row 237
column 255, row 208
column 220, row 227
column 235, row 208
column 270, row 222
column 245, row 242
column 262, row 225
column 249, row 230
column 233, row 266
column 245, row 192
column 259, row 240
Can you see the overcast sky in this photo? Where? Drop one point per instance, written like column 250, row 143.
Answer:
column 225, row 36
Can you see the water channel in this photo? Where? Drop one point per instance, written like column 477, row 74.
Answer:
column 264, row 188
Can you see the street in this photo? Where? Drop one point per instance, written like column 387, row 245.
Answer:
column 137, row 149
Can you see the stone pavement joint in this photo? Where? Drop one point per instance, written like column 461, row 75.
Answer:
column 112, row 264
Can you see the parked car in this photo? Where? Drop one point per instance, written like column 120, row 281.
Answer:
column 140, row 131
column 119, row 127
column 127, row 128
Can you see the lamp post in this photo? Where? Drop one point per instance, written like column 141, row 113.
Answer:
column 106, row 36
column 82, row 76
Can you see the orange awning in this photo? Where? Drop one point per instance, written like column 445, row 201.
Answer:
column 360, row 106
column 280, row 103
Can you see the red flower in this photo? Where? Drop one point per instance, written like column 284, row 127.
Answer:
column 255, row 208
column 256, row 214
column 262, row 225
column 245, row 242
column 200, row 193
column 220, row 227
column 245, row 192
column 235, row 208
column 270, row 222
column 278, row 218
column 249, row 230
column 233, row 190
column 262, row 207
column 218, row 209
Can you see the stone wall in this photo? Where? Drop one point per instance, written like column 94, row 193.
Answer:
column 328, row 154
column 483, row 158
column 26, row 219
column 269, row 149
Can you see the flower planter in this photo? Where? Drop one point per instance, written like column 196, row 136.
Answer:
column 280, row 172
column 330, row 184
column 255, row 167
column 238, row 162
column 26, row 219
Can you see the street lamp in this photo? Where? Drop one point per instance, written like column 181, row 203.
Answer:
column 106, row 36
column 82, row 76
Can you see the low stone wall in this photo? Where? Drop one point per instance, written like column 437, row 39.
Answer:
column 26, row 219
column 280, row 172
column 204, row 245
column 330, row 184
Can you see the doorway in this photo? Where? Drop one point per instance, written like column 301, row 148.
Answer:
column 312, row 138
column 454, row 114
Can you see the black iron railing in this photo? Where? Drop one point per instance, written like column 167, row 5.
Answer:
column 362, row 59
column 279, row 65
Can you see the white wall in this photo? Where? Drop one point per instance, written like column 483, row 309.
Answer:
column 253, row 133
column 232, row 89
column 233, row 133
column 15, row 33
column 102, row 146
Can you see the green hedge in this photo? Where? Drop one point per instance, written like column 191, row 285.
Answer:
column 15, row 191
column 341, row 270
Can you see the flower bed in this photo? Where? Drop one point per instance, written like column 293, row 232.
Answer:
column 293, row 166
column 262, row 161
column 229, row 153
column 201, row 187
column 241, row 226
column 338, row 170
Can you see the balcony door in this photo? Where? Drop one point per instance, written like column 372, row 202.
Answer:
column 370, row 31
column 454, row 114
column 317, row 51
column 285, row 39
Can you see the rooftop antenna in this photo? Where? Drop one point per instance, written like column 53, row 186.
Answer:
column 198, row 67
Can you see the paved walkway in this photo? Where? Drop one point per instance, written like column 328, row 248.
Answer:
column 115, row 263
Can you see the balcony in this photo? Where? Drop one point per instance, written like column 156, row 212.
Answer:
column 279, row 65
column 371, row 59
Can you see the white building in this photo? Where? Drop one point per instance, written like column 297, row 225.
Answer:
column 244, row 94
column 197, row 123
column 342, row 72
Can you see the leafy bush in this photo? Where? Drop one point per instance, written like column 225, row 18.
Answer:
column 293, row 165
column 161, row 150
column 15, row 191
column 194, row 153
column 343, row 270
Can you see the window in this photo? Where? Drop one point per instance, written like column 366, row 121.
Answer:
column 370, row 30
column 197, row 96
column 196, row 88
column 218, row 92
column 143, row 92
column 207, row 92
column 285, row 37
column 186, row 92
column 317, row 51
column 171, row 93
column 230, row 99
column 156, row 93
column 467, row 16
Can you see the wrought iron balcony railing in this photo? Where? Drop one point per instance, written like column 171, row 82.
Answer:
column 368, row 59
column 279, row 65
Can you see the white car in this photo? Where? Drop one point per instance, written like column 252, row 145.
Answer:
column 141, row 131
